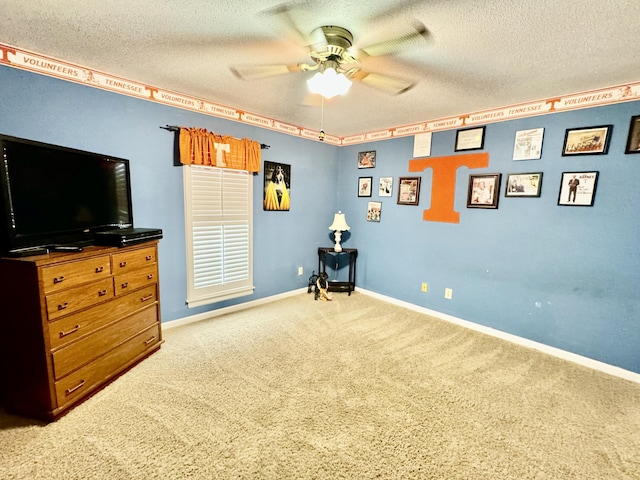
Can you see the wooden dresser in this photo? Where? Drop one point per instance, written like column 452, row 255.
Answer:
column 72, row 322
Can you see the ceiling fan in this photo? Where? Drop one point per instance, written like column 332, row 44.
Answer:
column 332, row 51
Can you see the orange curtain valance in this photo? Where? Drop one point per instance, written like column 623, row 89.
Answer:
column 200, row 147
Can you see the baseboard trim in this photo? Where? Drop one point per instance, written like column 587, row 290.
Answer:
column 223, row 311
column 556, row 352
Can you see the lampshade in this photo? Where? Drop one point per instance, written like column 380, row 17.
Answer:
column 329, row 83
column 339, row 222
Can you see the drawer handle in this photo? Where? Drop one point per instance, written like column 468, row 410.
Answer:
column 123, row 264
column 125, row 285
column 102, row 293
column 148, row 297
column 149, row 276
column 150, row 341
column 69, row 391
column 73, row 330
column 63, row 306
column 148, row 257
column 58, row 279
column 99, row 269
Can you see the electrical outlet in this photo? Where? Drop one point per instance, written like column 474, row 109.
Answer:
column 425, row 287
column 448, row 293
column 300, row 271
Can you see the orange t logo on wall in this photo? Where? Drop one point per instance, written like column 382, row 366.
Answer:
column 443, row 185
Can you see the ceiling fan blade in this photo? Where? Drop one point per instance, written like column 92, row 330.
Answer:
column 317, row 39
column 255, row 72
column 312, row 100
column 417, row 35
column 384, row 83
column 283, row 12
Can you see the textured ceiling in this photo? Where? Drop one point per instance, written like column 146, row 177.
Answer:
column 480, row 54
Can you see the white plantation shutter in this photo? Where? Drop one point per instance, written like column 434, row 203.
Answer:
column 218, row 229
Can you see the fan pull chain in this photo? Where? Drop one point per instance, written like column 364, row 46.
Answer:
column 321, row 134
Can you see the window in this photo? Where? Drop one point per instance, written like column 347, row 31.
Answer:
column 219, row 232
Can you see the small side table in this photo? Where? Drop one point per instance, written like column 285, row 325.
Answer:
column 349, row 286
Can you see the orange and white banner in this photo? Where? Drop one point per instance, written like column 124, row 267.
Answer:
column 25, row 60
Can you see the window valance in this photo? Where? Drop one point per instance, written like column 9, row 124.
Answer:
column 200, row 147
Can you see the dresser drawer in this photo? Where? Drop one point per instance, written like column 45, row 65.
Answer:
column 135, row 279
column 73, row 299
column 132, row 260
column 70, row 274
column 87, row 378
column 88, row 348
column 77, row 325
column 67, row 332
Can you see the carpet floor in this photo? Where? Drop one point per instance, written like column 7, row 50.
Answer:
column 356, row 388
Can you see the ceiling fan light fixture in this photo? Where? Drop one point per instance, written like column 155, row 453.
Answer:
column 329, row 83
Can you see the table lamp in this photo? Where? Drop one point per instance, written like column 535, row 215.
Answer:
column 339, row 225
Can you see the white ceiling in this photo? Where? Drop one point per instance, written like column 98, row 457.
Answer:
column 480, row 54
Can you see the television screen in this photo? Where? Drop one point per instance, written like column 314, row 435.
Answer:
column 53, row 195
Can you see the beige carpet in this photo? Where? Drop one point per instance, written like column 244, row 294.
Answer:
column 350, row 389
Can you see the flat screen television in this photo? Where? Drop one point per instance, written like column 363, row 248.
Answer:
column 56, row 196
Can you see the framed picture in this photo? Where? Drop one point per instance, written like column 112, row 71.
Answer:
column 364, row 186
column 408, row 190
column 587, row 141
column 422, row 144
column 385, row 187
column 470, row 139
column 484, row 190
column 523, row 185
column 367, row 159
column 528, row 144
column 633, row 140
column 374, row 209
column 578, row 189
column 277, row 185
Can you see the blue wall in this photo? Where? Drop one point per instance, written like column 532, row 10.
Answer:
column 62, row 113
column 564, row 276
